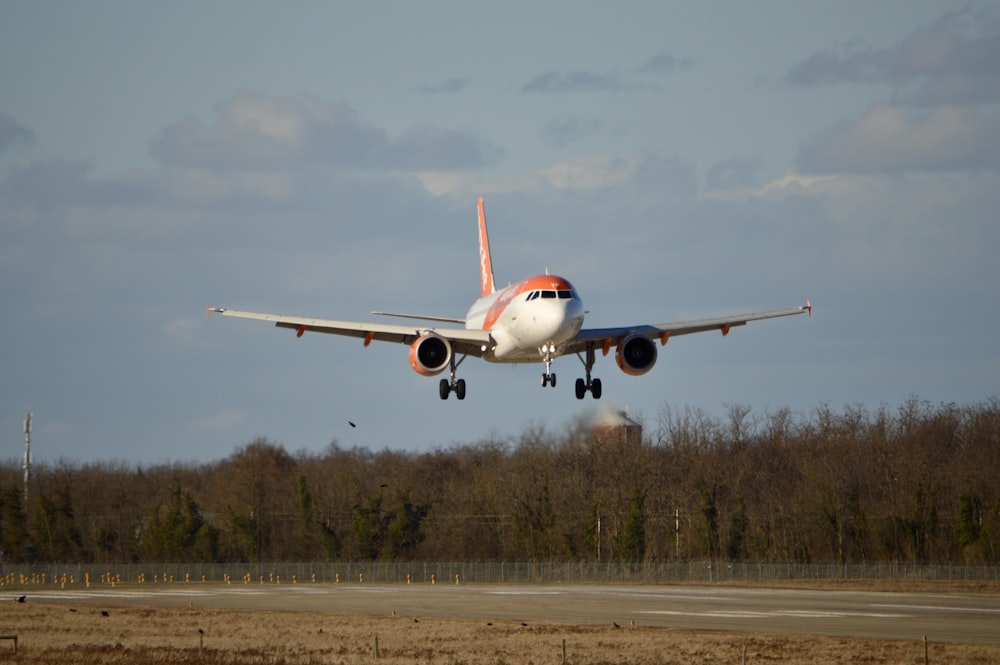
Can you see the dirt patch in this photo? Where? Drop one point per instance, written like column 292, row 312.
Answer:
column 58, row 633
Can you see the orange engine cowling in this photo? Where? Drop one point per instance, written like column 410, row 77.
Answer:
column 430, row 354
column 636, row 354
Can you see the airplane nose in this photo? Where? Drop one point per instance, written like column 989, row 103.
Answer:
column 559, row 319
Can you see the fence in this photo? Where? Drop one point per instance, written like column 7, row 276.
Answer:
column 486, row 572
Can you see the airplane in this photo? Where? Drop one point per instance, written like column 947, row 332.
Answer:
column 535, row 320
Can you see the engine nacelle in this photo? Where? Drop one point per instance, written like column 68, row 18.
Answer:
column 636, row 354
column 430, row 354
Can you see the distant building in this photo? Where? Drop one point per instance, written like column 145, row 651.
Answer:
column 618, row 430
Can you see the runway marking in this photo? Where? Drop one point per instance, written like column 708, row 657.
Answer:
column 941, row 608
column 667, row 596
column 798, row 614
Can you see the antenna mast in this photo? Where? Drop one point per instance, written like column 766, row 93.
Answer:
column 27, row 457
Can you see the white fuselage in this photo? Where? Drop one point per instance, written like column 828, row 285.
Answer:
column 528, row 319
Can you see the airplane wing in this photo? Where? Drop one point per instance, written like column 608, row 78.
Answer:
column 664, row 331
column 421, row 317
column 464, row 341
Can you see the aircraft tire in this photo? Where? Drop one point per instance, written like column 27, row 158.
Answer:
column 460, row 389
column 595, row 388
column 444, row 389
column 581, row 388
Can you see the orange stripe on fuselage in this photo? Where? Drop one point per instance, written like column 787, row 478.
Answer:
column 536, row 283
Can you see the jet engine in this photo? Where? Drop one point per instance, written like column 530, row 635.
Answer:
column 636, row 354
column 430, row 354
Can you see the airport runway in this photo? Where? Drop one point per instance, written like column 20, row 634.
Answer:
column 968, row 619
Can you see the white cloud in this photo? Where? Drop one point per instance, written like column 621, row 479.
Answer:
column 877, row 233
column 253, row 131
column 256, row 131
column 582, row 174
column 590, row 173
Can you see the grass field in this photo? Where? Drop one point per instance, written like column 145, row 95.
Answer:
column 60, row 633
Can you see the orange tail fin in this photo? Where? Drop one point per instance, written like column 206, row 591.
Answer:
column 485, row 262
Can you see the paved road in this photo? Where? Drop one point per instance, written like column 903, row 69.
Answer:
column 942, row 617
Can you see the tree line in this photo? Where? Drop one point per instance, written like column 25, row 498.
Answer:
column 918, row 483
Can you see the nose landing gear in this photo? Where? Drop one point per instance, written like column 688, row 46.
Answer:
column 548, row 355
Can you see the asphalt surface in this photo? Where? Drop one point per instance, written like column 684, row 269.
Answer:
column 958, row 618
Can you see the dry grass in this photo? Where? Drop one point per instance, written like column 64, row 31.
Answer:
column 57, row 633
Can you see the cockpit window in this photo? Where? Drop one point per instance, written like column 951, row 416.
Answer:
column 562, row 294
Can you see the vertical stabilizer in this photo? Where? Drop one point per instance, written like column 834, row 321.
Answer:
column 485, row 262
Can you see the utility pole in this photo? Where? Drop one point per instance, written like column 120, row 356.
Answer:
column 27, row 458
column 677, row 533
column 598, row 537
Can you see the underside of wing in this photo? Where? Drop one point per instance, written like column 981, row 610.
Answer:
column 464, row 341
column 664, row 331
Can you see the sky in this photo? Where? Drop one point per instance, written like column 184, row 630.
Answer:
column 673, row 160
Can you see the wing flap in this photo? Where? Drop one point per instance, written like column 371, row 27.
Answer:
column 466, row 341
column 422, row 317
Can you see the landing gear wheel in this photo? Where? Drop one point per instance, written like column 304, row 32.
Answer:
column 594, row 388
column 460, row 389
column 548, row 380
column 588, row 384
column 444, row 388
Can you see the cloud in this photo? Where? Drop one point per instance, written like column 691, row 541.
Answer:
column 732, row 173
column 255, row 131
column 564, row 131
column 432, row 148
column 853, row 62
column 61, row 183
column 583, row 174
column 660, row 63
column 556, row 82
column 663, row 63
column 581, row 81
column 950, row 61
column 901, row 237
column 448, row 86
column 889, row 139
column 13, row 133
column 590, row 173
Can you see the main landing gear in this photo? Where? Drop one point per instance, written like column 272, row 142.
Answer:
column 583, row 386
column 446, row 386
